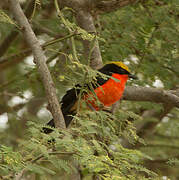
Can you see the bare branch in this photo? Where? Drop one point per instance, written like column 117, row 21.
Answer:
column 136, row 93
column 40, row 60
column 113, row 5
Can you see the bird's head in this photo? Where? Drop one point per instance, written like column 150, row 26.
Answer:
column 117, row 67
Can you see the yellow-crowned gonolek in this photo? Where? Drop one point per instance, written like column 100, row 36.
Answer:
column 108, row 91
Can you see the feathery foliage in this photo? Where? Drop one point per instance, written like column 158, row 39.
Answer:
column 97, row 145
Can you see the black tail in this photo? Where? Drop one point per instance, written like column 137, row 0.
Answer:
column 68, row 119
column 69, row 107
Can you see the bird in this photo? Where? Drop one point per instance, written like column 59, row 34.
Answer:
column 107, row 90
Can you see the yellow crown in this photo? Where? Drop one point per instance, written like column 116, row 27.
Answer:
column 120, row 64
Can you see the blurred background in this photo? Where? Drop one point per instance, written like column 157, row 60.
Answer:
column 144, row 35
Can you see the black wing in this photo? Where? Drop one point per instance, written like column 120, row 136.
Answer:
column 70, row 99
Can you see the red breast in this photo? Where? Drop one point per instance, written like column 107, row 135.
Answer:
column 108, row 93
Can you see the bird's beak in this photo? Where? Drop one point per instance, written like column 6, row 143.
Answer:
column 133, row 76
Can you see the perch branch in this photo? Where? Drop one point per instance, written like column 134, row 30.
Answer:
column 137, row 93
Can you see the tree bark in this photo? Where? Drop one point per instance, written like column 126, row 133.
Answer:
column 137, row 93
column 40, row 60
column 85, row 21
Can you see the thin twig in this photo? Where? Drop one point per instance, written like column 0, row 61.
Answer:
column 13, row 35
column 69, row 29
column 6, row 84
column 6, row 61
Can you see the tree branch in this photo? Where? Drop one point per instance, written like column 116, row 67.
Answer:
column 40, row 60
column 169, row 99
column 5, row 62
column 136, row 93
column 85, row 21
column 112, row 5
